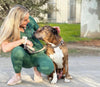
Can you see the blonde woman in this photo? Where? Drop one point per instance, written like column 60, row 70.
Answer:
column 17, row 24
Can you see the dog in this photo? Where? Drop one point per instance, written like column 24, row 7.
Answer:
column 57, row 50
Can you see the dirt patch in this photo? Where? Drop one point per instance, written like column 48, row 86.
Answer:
column 83, row 52
column 87, row 48
column 90, row 43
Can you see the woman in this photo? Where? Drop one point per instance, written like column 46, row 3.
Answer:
column 17, row 24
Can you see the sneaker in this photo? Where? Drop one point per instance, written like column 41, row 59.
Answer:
column 37, row 77
column 14, row 80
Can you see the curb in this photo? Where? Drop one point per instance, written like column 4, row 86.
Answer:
column 74, row 46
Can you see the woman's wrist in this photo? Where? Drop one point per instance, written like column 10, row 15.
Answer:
column 22, row 41
column 25, row 39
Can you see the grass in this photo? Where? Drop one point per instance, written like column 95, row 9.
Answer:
column 69, row 32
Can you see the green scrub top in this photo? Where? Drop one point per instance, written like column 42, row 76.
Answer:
column 31, row 27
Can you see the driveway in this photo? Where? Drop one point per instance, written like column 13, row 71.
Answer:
column 84, row 69
column 84, row 66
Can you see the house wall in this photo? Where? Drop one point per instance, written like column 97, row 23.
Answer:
column 69, row 11
column 78, row 11
column 90, row 18
column 62, row 13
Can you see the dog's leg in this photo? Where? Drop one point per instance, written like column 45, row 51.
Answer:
column 67, row 76
column 54, row 79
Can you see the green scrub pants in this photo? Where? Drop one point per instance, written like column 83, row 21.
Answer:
column 21, row 58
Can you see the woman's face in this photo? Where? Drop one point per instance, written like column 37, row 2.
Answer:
column 25, row 21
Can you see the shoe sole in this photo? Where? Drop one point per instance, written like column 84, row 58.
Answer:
column 15, row 83
column 38, row 81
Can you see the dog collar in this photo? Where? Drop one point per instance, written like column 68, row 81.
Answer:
column 55, row 46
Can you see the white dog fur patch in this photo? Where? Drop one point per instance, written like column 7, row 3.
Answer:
column 67, row 80
column 54, row 80
column 57, row 57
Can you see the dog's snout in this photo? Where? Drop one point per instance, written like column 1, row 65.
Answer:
column 34, row 34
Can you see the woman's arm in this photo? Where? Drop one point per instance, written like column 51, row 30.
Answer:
column 8, row 46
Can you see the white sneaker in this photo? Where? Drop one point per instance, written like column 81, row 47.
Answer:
column 37, row 78
column 14, row 80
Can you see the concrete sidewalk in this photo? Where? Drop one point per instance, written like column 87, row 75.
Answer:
column 85, row 70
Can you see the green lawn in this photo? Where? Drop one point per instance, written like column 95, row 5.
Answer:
column 69, row 32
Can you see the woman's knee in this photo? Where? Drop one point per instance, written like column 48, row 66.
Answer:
column 18, row 52
column 46, row 67
column 17, row 56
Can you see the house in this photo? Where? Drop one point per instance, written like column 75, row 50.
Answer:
column 69, row 11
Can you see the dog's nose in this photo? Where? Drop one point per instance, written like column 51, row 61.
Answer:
column 34, row 34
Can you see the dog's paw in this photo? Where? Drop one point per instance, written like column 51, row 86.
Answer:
column 66, row 80
column 49, row 78
column 54, row 81
column 70, row 77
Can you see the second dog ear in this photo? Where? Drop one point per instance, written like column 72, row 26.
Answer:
column 55, row 31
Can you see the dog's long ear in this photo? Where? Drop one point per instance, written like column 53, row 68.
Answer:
column 55, row 32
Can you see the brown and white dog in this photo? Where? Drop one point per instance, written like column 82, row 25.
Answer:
column 57, row 51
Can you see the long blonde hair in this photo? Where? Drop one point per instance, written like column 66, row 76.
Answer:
column 10, row 27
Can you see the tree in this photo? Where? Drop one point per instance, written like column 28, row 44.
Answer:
column 35, row 7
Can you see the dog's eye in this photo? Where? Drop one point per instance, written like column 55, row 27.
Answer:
column 54, row 31
column 39, row 29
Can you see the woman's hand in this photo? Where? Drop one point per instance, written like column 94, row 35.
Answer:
column 26, row 41
column 29, row 43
